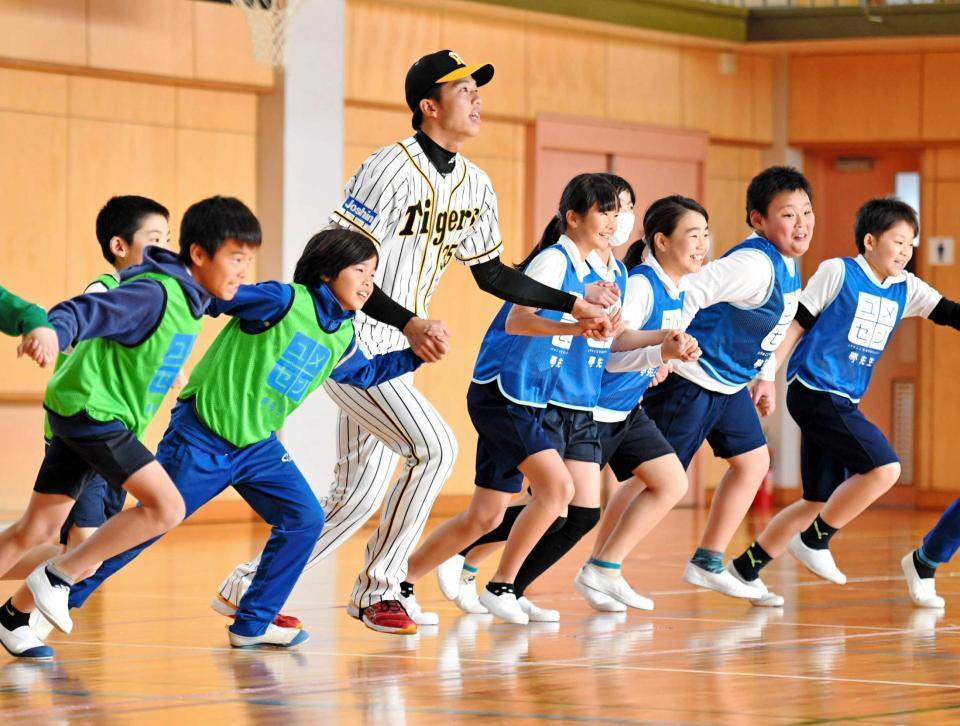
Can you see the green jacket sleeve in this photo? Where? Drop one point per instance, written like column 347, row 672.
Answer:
column 17, row 316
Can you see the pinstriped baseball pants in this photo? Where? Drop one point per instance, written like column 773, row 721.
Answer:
column 377, row 428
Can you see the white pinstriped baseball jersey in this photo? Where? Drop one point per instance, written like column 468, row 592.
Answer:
column 419, row 219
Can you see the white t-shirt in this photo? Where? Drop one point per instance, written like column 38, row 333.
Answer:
column 744, row 278
column 824, row 286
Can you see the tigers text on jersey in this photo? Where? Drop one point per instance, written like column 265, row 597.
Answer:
column 419, row 219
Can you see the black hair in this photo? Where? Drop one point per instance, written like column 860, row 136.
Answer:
column 121, row 217
column 878, row 215
column 212, row 221
column 329, row 252
column 620, row 185
column 662, row 216
column 434, row 95
column 771, row 182
column 580, row 194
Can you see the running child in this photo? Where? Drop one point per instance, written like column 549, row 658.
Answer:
column 739, row 308
column 283, row 342
column 847, row 314
column 677, row 238
column 128, row 346
column 517, row 369
column 125, row 227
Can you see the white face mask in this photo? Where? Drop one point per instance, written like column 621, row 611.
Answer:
column 625, row 222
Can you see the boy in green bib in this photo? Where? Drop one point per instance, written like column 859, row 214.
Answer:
column 125, row 227
column 283, row 342
column 128, row 344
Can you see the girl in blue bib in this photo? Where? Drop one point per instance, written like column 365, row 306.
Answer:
column 517, row 369
column 676, row 238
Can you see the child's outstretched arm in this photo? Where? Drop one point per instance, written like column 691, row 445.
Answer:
column 355, row 369
column 125, row 314
column 765, row 389
column 19, row 317
column 428, row 338
column 522, row 320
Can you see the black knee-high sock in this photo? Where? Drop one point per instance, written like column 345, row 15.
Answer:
column 554, row 545
column 502, row 530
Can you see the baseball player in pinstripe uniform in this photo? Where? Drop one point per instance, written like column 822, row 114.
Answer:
column 422, row 204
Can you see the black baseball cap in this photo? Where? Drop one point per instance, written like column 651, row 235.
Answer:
column 440, row 67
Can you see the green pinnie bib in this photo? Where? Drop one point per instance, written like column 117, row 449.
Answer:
column 110, row 381
column 247, row 384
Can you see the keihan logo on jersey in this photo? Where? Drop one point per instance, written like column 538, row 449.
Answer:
column 419, row 220
column 360, row 210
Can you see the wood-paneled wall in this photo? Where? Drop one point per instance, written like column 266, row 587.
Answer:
column 170, row 39
column 548, row 64
column 938, row 397
column 895, row 97
column 70, row 138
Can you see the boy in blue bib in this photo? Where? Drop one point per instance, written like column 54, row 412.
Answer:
column 847, row 314
column 739, row 308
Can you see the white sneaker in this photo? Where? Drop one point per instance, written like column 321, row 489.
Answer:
column 538, row 614
column 448, row 576
column 467, row 599
column 418, row 614
column 234, row 587
column 596, row 599
column 22, row 642
column 504, row 606
column 273, row 637
column 722, row 582
column 767, row 599
column 615, row 588
column 53, row 601
column 819, row 562
column 40, row 625
column 923, row 590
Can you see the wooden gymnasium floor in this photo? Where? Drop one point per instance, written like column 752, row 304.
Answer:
column 148, row 650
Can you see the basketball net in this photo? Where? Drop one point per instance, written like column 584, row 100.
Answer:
column 269, row 21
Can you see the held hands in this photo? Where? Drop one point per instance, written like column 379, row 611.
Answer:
column 602, row 327
column 765, row 397
column 429, row 339
column 679, row 345
column 603, row 294
column 180, row 381
column 41, row 345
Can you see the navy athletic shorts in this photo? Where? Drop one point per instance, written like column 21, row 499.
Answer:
column 687, row 414
column 507, row 433
column 836, row 440
column 629, row 443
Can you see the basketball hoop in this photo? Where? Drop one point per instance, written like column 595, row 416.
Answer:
column 269, row 20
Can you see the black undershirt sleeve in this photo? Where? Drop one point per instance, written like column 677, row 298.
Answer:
column 947, row 312
column 513, row 286
column 383, row 308
column 805, row 319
